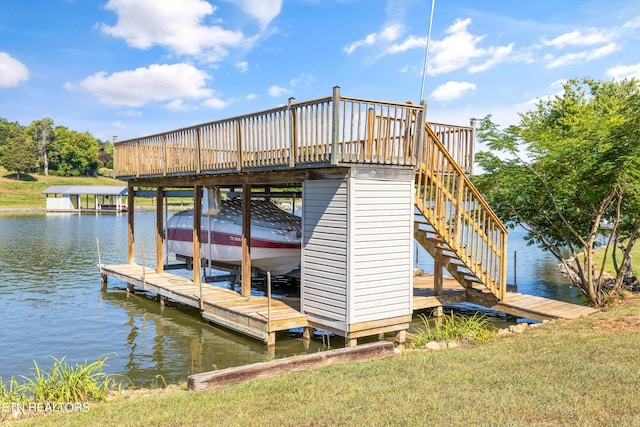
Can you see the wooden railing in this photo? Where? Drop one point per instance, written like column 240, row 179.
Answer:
column 458, row 213
column 332, row 130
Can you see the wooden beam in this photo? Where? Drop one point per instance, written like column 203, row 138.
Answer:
column 246, row 240
column 130, row 235
column 437, row 276
column 197, row 231
column 159, row 230
column 224, row 377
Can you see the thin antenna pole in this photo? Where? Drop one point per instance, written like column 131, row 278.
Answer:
column 426, row 52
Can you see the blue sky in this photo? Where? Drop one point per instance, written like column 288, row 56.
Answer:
column 136, row 67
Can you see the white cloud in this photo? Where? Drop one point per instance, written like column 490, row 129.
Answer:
column 621, row 72
column 304, row 78
column 388, row 34
column 251, row 97
column 451, row 90
column 460, row 47
column 578, row 38
column 498, row 54
column 242, row 66
column 142, row 85
column 131, row 113
column 215, row 103
column 12, row 71
column 262, row 10
column 176, row 105
column 276, row 91
column 176, row 25
column 581, row 57
column 410, row 42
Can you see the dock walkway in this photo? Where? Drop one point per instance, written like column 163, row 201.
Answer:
column 514, row 303
column 255, row 316
column 261, row 317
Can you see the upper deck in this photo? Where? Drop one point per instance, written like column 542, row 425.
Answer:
column 331, row 131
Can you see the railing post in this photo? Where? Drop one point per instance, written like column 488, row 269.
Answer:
column 198, row 152
column 239, row 140
column 164, row 155
column 420, row 123
column 335, row 126
column 503, row 266
column 293, row 142
column 472, row 143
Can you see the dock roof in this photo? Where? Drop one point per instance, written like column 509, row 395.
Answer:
column 98, row 190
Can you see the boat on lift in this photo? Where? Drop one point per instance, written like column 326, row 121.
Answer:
column 275, row 235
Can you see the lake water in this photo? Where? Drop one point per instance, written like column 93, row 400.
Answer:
column 52, row 303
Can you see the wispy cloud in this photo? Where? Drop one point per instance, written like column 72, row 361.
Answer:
column 581, row 57
column 176, row 26
column 451, row 90
column 12, row 71
column 146, row 84
column 621, row 72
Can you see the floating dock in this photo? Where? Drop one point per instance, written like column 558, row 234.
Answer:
column 261, row 317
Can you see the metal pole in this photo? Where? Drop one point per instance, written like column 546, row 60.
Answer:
column 426, row 52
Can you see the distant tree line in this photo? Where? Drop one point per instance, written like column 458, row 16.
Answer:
column 47, row 149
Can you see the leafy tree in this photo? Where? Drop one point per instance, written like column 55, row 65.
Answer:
column 73, row 153
column 4, row 131
column 571, row 165
column 18, row 152
column 42, row 132
column 105, row 154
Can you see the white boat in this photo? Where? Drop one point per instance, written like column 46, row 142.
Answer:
column 275, row 236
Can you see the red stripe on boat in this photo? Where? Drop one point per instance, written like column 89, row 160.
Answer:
column 218, row 238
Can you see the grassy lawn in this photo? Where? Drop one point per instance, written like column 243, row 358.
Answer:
column 574, row 373
column 27, row 192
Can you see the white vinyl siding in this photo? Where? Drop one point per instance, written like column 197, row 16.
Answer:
column 324, row 250
column 381, row 249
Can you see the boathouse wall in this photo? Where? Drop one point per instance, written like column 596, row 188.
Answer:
column 357, row 249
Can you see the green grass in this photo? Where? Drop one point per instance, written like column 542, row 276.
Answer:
column 573, row 373
column 27, row 192
column 62, row 383
column 458, row 327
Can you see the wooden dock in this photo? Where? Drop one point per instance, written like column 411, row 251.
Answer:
column 256, row 316
column 516, row 304
column 261, row 317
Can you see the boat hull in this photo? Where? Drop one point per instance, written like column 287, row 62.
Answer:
column 275, row 237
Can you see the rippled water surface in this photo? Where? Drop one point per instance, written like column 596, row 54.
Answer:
column 52, row 303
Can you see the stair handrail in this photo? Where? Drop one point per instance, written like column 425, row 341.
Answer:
column 496, row 282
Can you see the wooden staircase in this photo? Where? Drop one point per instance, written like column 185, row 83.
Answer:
column 455, row 224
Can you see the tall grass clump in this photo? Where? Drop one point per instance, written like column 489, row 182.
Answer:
column 63, row 382
column 476, row 328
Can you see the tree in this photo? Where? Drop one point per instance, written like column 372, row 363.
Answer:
column 18, row 153
column 570, row 166
column 42, row 131
column 73, row 153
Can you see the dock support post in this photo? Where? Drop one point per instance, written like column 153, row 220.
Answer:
column 104, row 282
column 401, row 338
column 246, row 240
column 437, row 277
column 306, row 333
column 271, row 339
column 350, row 342
column 159, row 230
column 437, row 312
column 130, row 236
column 197, row 232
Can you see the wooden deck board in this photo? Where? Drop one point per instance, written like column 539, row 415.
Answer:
column 248, row 315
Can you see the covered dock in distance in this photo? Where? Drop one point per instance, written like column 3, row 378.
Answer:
column 86, row 198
